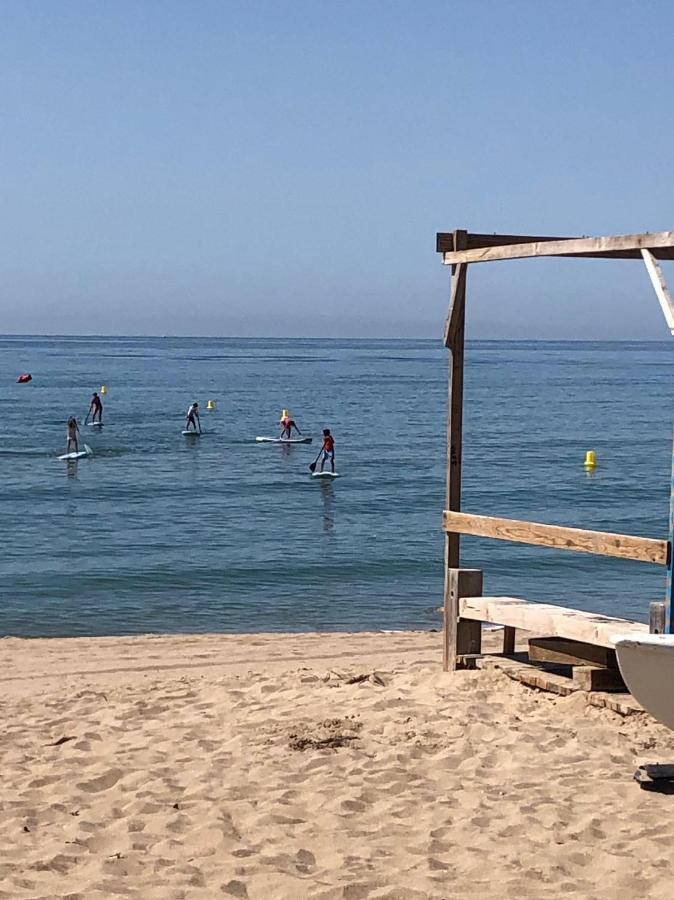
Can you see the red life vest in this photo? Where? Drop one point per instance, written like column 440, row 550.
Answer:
column 22, row 379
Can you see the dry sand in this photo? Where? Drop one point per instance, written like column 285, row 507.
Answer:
column 249, row 766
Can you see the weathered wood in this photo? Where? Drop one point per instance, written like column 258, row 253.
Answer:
column 533, row 676
column 455, row 419
column 657, row 622
column 460, row 637
column 627, row 246
column 455, row 316
column 660, row 288
column 580, row 540
column 593, row 678
column 548, row 620
column 508, row 640
column 444, row 240
column 565, row 652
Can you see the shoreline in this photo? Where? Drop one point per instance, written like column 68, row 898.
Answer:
column 321, row 766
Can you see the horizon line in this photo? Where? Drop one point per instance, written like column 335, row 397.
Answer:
column 264, row 337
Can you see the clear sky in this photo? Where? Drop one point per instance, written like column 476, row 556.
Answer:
column 260, row 168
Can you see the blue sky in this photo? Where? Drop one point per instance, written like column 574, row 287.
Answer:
column 259, row 168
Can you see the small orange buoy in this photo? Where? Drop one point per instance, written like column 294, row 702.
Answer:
column 23, row 379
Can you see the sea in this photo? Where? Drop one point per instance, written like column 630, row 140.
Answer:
column 158, row 533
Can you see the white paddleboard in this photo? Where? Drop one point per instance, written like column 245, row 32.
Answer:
column 94, row 424
column 325, row 474
column 192, row 433
column 86, row 452
column 275, row 440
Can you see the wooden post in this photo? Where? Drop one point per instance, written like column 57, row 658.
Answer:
column 455, row 338
column 657, row 619
column 461, row 636
column 508, row 640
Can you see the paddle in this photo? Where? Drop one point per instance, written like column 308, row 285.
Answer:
column 312, row 466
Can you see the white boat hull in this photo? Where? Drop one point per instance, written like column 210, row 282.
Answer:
column 647, row 667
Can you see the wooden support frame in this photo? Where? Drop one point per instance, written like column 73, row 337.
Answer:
column 660, row 288
column 459, row 249
column 627, row 246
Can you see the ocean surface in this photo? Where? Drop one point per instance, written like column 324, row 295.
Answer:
column 159, row 533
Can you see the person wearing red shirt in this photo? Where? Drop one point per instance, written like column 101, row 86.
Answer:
column 328, row 449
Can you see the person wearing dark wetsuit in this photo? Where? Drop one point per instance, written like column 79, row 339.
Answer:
column 193, row 417
column 96, row 409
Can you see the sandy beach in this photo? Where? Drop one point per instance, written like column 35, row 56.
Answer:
column 323, row 766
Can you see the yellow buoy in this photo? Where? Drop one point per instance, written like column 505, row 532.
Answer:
column 590, row 459
column 210, row 404
column 104, row 390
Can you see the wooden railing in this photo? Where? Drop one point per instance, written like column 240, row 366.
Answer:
column 603, row 543
column 462, row 633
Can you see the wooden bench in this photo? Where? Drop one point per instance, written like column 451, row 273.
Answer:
column 545, row 619
column 560, row 635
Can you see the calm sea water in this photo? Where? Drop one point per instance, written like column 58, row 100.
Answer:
column 158, row 533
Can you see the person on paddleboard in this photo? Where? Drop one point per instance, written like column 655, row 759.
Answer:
column 328, row 449
column 95, row 409
column 73, row 430
column 193, row 417
column 287, row 425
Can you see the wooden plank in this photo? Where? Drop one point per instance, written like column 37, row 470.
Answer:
column 546, row 619
column 627, row 246
column 456, row 315
column 565, row 652
column 580, row 540
column 465, row 637
column 532, row 676
column 660, row 288
column 594, row 678
column 444, row 240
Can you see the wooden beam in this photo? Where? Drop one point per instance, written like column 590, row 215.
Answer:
column 460, row 638
column 628, row 246
column 457, row 301
column 660, row 288
column 602, row 543
column 564, row 652
column 591, row 678
column 546, row 619
column 444, row 240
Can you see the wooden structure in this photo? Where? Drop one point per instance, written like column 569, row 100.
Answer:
column 465, row 609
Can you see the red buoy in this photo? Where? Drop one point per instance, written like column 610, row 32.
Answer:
column 22, row 379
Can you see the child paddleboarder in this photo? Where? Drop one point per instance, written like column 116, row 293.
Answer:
column 287, row 425
column 328, row 449
column 73, row 430
column 193, row 417
column 95, row 409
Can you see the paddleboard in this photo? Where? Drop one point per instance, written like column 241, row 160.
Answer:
column 94, row 424
column 86, row 452
column 325, row 474
column 192, row 433
column 273, row 440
